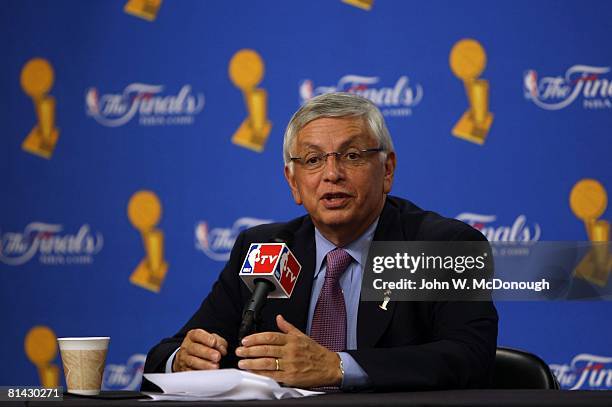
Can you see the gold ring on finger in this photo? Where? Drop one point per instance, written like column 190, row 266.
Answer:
column 277, row 364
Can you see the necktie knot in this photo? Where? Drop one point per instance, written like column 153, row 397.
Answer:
column 338, row 261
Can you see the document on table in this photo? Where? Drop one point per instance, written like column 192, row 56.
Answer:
column 222, row 384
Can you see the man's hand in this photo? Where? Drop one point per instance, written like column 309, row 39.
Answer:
column 291, row 358
column 200, row 350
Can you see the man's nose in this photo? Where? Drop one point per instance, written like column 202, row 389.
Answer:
column 333, row 171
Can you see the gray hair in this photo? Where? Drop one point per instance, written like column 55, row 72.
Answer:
column 337, row 104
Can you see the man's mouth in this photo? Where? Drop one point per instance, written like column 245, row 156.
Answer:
column 333, row 200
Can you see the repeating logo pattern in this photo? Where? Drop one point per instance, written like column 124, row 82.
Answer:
column 126, row 376
column 147, row 102
column 217, row 242
column 585, row 372
column 580, row 82
column 52, row 246
column 519, row 231
column 254, row 83
column 397, row 99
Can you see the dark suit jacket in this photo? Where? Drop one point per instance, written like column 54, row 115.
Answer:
column 412, row 345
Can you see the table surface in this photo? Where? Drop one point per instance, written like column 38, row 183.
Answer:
column 495, row 398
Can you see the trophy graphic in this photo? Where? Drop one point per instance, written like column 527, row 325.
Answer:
column 36, row 81
column 41, row 348
column 363, row 4
column 588, row 201
column 467, row 61
column 144, row 212
column 145, row 9
column 246, row 70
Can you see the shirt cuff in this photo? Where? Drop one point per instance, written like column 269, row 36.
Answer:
column 171, row 361
column 354, row 376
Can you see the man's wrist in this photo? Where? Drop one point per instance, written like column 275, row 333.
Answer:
column 175, row 359
column 170, row 362
column 338, row 370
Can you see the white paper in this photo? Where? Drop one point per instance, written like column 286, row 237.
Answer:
column 221, row 384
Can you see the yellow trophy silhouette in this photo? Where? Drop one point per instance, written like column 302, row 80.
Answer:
column 146, row 9
column 246, row 70
column 363, row 4
column 36, row 81
column 144, row 212
column 467, row 61
column 41, row 348
column 588, row 201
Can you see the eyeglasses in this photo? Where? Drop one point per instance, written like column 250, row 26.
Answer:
column 352, row 157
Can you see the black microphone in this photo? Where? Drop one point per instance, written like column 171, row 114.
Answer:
column 269, row 269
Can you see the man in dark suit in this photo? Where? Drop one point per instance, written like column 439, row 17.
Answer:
column 339, row 163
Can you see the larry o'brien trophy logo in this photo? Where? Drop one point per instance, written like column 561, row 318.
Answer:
column 36, row 81
column 145, row 9
column 363, row 4
column 588, row 201
column 41, row 348
column 246, row 70
column 144, row 211
column 467, row 61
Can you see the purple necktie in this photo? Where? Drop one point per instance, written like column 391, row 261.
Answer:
column 329, row 320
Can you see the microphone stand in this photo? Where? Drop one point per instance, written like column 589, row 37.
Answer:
column 251, row 316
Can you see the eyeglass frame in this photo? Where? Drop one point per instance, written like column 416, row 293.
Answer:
column 323, row 156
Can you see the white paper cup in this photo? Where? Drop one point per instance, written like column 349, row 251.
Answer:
column 84, row 360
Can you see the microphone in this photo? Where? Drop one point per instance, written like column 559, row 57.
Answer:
column 270, row 270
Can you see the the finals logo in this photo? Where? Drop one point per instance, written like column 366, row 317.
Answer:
column 152, row 105
column 586, row 82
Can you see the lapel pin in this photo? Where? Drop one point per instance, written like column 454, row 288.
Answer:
column 386, row 300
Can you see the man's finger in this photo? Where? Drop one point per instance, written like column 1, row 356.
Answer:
column 258, row 364
column 195, row 363
column 265, row 338
column 222, row 344
column 260, row 351
column 203, row 337
column 202, row 351
column 286, row 326
column 208, row 339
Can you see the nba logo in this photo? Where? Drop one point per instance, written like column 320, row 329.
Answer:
column 306, row 90
column 252, row 258
column 530, row 84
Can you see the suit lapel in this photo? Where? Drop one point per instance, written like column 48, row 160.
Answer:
column 295, row 309
column 372, row 321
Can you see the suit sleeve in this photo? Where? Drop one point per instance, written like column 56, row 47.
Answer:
column 220, row 313
column 459, row 352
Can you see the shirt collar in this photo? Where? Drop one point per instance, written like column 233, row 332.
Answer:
column 358, row 248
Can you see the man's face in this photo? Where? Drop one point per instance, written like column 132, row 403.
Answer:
column 340, row 196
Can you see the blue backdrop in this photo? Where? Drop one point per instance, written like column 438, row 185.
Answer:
column 68, row 247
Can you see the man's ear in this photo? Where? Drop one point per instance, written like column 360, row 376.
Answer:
column 390, row 163
column 290, row 177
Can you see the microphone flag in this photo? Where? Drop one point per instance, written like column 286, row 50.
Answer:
column 273, row 262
